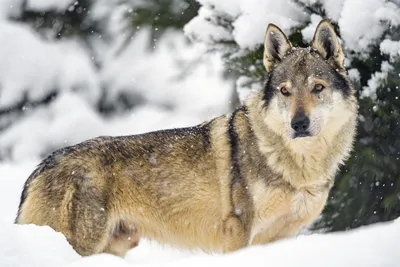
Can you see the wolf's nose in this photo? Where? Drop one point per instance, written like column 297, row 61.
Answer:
column 300, row 123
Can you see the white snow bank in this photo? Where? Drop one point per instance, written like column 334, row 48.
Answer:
column 33, row 246
column 368, row 247
column 12, row 179
column 28, row 245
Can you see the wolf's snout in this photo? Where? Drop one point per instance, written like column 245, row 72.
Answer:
column 300, row 123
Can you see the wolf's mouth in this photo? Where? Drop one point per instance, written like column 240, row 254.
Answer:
column 302, row 134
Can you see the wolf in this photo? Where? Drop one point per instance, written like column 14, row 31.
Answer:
column 254, row 176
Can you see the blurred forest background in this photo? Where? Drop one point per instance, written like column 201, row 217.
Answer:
column 71, row 70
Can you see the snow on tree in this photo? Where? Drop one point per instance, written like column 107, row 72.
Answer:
column 72, row 70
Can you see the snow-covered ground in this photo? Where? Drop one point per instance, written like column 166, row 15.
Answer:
column 29, row 245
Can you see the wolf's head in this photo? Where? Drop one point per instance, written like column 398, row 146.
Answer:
column 307, row 89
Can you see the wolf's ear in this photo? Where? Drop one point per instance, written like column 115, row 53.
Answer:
column 326, row 43
column 276, row 45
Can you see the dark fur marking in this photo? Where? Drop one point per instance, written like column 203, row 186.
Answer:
column 73, row 211
column 303, row 62
column 234, row 143
column 22, row 200
column 268, row 91
column 236, row 176
column 342, row 84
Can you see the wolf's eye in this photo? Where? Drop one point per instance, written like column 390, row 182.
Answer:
column 318, row 88
column 285, row 91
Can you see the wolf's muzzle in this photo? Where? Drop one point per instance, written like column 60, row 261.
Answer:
column 300, row 124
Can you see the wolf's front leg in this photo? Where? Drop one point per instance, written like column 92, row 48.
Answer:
column 235, row 234
column 278, row 231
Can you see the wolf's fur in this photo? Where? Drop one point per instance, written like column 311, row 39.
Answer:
column 240, row 179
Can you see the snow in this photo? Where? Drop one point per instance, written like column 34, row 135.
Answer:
column 250, row 20
column 9, row 8
column 354, row 75
column 390, row 47
column 333, row 8
column 45, row 5
column 157, row 77
column 29, row 245
column 230, row 7
column 257, row 12
column 361, row 22
column 206, row 30
column 244, row 88
column 375, row 81
column 51, row 126
column 363, row 29
column 12, row 7
column 46, row 129
column 165, row 96
column 308, row 32
column 25, row 57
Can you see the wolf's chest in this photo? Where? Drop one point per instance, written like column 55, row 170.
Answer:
column 306, row 203
column 277, row 208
